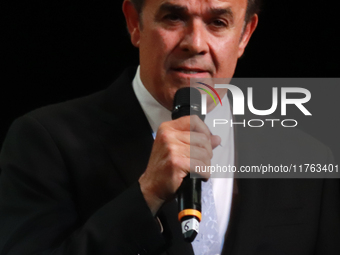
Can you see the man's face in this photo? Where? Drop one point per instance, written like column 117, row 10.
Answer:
column 183, row 39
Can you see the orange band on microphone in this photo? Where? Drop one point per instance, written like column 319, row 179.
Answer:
column 190, row 212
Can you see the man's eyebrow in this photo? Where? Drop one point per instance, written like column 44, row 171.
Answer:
column 221, row 11
column 169, row 7
column 175, row 8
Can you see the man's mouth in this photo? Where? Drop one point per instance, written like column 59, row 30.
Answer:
column 189, row 71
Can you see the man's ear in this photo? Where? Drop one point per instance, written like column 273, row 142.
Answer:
column 132, row 21
column 248, row 31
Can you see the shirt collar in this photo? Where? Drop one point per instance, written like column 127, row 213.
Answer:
column 155, row 113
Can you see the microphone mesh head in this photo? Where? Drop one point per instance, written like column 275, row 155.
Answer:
column 187, row 101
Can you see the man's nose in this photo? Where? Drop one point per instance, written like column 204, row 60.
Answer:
column 195, row 39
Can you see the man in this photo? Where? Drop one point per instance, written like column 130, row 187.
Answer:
column 86, row 177
column 175, row 46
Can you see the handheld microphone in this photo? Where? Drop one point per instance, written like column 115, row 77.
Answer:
column 187, row 101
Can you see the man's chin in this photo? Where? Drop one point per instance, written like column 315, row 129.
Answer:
column 175, row 83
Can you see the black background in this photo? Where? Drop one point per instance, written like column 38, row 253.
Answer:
column 54, row 51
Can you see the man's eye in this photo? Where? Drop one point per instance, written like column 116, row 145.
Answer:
column 219, row 23
column 172, row 17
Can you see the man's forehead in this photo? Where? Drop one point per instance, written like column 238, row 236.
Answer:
column 200, row 3
column 234, row 9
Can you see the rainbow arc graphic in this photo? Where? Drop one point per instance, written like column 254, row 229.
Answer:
column 209, row 93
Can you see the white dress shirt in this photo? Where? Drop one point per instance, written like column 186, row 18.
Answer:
column 222, row 155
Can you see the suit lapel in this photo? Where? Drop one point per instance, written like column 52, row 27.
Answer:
column 125, row 131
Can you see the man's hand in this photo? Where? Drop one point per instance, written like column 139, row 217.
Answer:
column 180, row 145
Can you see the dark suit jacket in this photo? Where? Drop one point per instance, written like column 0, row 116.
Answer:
column 69, row 186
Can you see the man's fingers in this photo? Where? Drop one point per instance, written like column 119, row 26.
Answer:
column 201, row 140
column 191, row 123
column 195, row 166
column 181, row 147
column 196, row 124
column 194, row 139
column 215, row 141
column 201, row 154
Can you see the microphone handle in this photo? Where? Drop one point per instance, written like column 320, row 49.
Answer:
column 187, row 101
column 189, row 207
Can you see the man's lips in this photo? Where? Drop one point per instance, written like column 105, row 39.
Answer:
column 186, row 70
column 189, row 69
